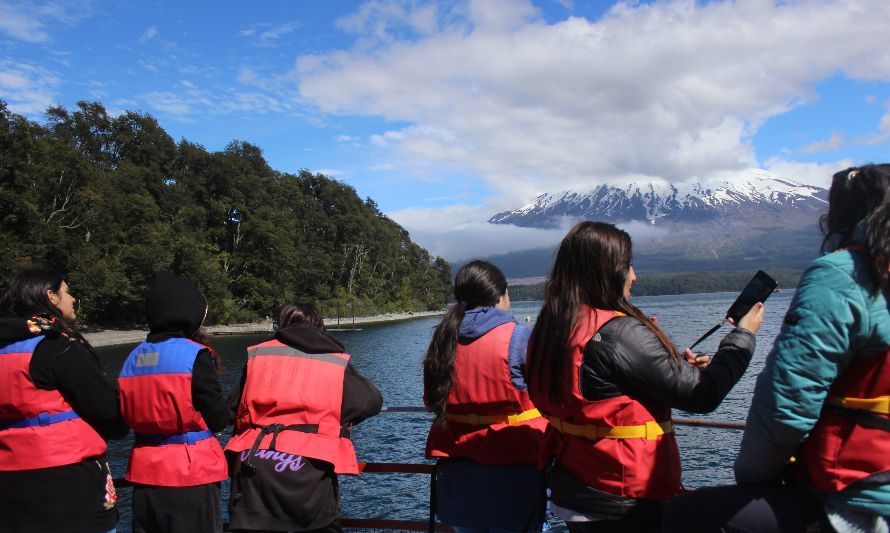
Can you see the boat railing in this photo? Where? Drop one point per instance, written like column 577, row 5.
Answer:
column 427, row 469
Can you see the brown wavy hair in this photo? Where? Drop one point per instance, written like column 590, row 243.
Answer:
column 591, row 268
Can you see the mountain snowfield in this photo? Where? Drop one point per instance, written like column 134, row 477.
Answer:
column 744, row 193
column 750, row 220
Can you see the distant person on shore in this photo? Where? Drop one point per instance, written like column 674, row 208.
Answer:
column 607, row 377
column 298, row 400
column 57, row 408
column 171, row 397
column 823, row 396
column 487, row 435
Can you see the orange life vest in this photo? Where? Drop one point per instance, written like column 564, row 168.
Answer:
column 292, row 402
column 616, row 445
column 487, row 418
column 851, row 440
column 173, row 446
column 38, row 428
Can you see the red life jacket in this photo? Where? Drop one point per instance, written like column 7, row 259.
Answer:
column 851, row 440
column 291, row 402
column 38, row 428
column 173, row 446
column 616, row 445
column 488, row 419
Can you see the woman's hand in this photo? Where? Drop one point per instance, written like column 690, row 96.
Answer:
column 698, row 360
column 752, row 320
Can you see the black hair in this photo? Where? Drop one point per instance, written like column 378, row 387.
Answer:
column 477, row 284
column 591, row 269
column 25, row 295
column 300, row 313
column 861, row 194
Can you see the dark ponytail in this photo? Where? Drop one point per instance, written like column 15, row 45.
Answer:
column 861, row 195
column 477, row 284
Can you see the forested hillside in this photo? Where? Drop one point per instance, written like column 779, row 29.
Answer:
column 110, row 200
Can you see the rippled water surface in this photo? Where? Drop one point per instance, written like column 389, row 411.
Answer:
column 390, row 355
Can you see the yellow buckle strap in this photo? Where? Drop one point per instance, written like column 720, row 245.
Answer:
column 650, row 430
column 880, row 405
column 484, row 420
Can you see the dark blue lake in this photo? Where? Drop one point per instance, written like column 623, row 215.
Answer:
column 391, row 356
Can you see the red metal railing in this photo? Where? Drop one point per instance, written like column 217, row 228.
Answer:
column 419, row 468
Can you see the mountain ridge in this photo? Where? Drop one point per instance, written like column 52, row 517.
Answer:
column 754, row 219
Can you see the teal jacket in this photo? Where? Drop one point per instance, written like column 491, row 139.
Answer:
column 833, row 318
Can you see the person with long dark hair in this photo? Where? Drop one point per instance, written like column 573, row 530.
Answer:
column 57, row 409
column 171, row 397
column 298, row 400
column 487, row 434
column 816, row 446
column 606, row 376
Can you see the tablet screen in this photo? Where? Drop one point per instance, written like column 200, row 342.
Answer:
column 757, row 290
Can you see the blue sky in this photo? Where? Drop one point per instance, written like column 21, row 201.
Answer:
column 448, row 112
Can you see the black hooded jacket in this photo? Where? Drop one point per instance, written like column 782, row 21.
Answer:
column 68, row 498
column 176, row 309
column 305, row 500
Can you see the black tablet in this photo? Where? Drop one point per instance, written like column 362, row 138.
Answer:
column 757, row 290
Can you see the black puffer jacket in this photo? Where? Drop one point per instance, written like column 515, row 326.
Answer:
column 625, row 357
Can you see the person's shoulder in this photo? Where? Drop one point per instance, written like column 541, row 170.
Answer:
column 622, row 325
column 837, row 272
column 57, row 345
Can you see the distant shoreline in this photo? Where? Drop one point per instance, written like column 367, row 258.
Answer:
column 115, row 337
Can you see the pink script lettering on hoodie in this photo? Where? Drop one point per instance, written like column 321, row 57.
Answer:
column 285, row 460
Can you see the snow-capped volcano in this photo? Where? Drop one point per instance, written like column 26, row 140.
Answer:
column 756, row 195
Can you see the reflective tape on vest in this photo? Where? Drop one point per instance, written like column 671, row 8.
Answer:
column 649, row 431
column 485, row 420
column 880, row 405
column 42, row 419
column 287, row 351
column 185, row 438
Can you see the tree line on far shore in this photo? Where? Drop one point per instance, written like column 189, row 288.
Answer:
column 110, row 200
column 658, row 283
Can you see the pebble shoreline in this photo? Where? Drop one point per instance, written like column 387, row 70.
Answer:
column 112, row 337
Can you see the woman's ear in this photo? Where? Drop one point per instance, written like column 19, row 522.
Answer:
column 53, row 297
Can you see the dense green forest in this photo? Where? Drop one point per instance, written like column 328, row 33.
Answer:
column 678, row 283
column 110, row 200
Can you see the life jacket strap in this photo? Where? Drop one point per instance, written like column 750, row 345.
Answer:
column 249, row 468
column 486, row 420
column 190, row 437
column 651, row 430
column 42, row 419
column 879, row 405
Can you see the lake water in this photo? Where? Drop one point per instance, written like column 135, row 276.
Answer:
column 391, row 356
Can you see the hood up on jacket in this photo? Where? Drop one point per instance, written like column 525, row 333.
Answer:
column 479, row 321
column 174, row 307
column 309, row 339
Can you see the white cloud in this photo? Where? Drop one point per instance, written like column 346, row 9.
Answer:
column 832, row 144
column 668, row 89
column 467, row 233
column 267, row 34
column 150, row 33
column 28, row 89
column 818, row 174
column 31, row 21
column 882, row 135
